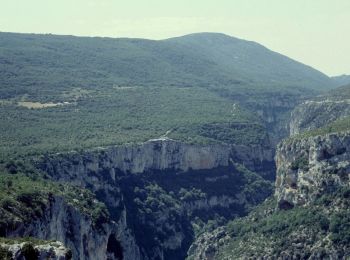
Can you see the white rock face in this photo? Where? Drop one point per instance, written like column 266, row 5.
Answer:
column 308, row 167
column 167, row 154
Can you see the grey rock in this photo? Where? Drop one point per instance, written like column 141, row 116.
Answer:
column 314, row 114
column 306, row 168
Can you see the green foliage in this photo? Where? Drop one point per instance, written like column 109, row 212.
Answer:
column 5, row 254
column 238, row 133
column 300, row 163
column 164, row 203
column 156, row 213
column 49, row 64
column 137, row 114
column 30, row 240
column 269, row 232
column 339, row 220
column 279, row 224
column 340, row 228
column 191, row 195
column 154, row 199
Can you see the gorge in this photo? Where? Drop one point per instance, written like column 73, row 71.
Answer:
column 204, row 146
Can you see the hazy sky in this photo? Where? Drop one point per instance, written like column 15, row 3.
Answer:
column 315, row 32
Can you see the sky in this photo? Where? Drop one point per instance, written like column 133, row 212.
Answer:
column 315, row 32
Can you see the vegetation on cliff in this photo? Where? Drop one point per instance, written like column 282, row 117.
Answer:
column 25, row 197
column 340, row 125
column 319, row 230
column 183, row 205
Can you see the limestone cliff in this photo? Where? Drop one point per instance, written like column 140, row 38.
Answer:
column 75, row 230
column 317, row 113
column 309, row 167
column 166, row 154
column 320, row 110
column 158, row 188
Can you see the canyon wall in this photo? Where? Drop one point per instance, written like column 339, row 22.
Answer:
column 134, row 181
column 309, row 167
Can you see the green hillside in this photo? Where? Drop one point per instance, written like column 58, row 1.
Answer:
column 249, row 63
column 46, row 65
column 122, row 115
column 60, row 93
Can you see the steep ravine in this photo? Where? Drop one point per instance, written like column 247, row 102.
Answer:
column 158, row 193
column 154, row 191
column 308, row 215
column 273, row 108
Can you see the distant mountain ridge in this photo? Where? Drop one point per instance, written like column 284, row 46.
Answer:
column 253, row 62
column 50, row 63
column 341, row 80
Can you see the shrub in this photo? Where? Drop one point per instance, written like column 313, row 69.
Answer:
column 5, row 254
column 340, row 228
column 300, row 163
column 29, row 252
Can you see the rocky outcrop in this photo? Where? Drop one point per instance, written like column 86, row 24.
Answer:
column 42, row 251
column 85, row 239
column 314, row 114
column 309, row 167
column 207, row 245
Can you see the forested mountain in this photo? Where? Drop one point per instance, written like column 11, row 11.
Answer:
column 103, row 91
column 48, row 63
